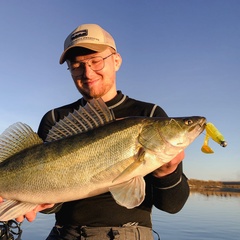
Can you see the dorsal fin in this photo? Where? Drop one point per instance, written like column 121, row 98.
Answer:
column 16, row 138
column 94, row 114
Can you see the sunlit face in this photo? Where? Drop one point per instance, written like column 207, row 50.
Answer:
column 96, row 83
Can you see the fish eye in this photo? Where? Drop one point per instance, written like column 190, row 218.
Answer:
column 188, row 121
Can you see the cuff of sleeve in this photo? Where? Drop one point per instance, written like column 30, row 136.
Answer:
column 168, row 181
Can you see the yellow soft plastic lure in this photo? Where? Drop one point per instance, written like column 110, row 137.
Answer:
column 212, row 132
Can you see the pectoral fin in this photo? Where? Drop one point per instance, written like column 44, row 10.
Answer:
column 11, row 209
column 129, row 194
column 138, row 160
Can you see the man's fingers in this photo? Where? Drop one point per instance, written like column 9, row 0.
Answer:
column 30, row 216
column 43, row 206
column 20, row 219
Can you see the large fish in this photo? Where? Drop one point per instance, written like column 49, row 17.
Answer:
column 86, row 154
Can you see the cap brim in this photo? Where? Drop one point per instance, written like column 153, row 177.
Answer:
column 90, row 46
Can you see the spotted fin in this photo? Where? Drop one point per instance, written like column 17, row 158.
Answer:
column 94, row 114
column 16, row 138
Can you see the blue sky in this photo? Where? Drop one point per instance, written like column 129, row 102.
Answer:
column 183, row 55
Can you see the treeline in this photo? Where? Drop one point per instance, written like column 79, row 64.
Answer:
column 201, row 183
column 218, row 188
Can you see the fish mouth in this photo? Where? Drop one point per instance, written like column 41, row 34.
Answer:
column 203, row 124
column 200, row 125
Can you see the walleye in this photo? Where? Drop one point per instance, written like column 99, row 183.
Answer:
column 87, row 153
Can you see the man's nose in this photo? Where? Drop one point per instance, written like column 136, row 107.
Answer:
column 87, row 71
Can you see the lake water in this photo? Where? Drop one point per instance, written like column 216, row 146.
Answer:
column 202, row 218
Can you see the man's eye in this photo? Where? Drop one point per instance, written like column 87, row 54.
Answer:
column 96, row 61
column 75, row 65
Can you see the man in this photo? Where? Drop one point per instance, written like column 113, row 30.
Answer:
column 93, row 60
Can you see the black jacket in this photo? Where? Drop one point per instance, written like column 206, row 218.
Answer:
column 168, row 193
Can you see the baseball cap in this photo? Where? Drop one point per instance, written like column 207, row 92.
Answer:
column 90, row 36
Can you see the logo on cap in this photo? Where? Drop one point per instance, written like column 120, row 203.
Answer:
column 81, row 33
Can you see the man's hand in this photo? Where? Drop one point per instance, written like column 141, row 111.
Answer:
column 30, row 216
column 169, row 167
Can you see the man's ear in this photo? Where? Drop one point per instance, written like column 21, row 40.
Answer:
column 117, row 61
column 68, row 62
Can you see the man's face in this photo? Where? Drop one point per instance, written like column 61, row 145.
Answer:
column 93, row 80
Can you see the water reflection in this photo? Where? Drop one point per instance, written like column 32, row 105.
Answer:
column 216, row 188
column 202, row 218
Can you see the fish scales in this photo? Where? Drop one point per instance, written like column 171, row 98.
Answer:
column 75, row 159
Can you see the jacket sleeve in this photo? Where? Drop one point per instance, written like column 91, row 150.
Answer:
column 171, row 192
column 46, row 124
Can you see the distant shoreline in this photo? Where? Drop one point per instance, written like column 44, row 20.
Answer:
column 218, row 188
